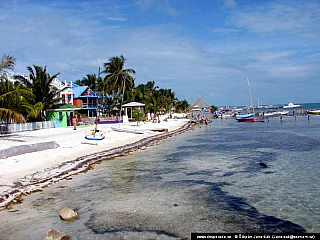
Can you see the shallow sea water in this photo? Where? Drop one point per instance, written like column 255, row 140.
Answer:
column 205, row 180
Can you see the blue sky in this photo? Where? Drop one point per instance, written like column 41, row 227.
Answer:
column 204, row 48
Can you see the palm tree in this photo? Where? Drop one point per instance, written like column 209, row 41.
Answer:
column 145, row 93
column 12, row 97
column 182, row 106
column 13, row 102
column 117, row 78
column 151, row 87
column 154, row 103
column 94, row 82
column 40, row 83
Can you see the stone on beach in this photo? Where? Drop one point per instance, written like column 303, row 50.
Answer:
column 67, row 214
column 53, row 234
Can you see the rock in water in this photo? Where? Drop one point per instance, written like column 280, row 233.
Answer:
column 263, row 164
column 56, row 235
column 67, row 214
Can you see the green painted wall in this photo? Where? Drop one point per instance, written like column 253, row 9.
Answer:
column 58, row 115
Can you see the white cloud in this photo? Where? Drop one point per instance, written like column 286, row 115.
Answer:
column 163, row 5
column 280, row 18
column 225, row 30
column 230, row 3
column 290, row 72
column 269, row 56
column 120, row 19
column 145, row 4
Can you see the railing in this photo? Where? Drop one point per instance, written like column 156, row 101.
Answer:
column 30, row 126
column 114, row 118
column 91, row 120
column 92, row 105
column 85, row 105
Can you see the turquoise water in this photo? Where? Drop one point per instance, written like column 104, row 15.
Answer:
column 205, row 180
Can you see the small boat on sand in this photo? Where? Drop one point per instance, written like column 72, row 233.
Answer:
column 291, row 105
column 94, row 134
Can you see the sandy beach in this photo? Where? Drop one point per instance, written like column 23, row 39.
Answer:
column 28, row 172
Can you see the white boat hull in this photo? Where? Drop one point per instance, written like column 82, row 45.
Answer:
column 275, row 114
column 95, row 135
column 291, row 105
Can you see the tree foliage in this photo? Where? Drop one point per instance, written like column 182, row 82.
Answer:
column 153, row 97
column 117, row 78
column 39, row 81
column 30, row 96
column 94, row 82
column 182, row 106
column 13, row 103
column 7, row 63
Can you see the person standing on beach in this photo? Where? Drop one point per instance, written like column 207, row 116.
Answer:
column 74, row 122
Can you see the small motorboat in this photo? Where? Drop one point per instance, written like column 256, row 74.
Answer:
column 275, row 114
column 291, row 105
column 313, row 111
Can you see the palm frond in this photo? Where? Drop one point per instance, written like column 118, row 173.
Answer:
column 7, row 62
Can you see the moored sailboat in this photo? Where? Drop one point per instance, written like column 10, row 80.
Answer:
column 249, row 117
column 245, row 117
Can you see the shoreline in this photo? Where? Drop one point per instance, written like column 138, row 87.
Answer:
column 16, row 184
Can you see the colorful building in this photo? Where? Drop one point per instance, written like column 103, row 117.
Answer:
column 81, row 96
column 63, row 113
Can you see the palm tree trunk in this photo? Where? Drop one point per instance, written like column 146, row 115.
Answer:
column 124, row 85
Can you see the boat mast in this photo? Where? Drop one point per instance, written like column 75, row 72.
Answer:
column 250, row 94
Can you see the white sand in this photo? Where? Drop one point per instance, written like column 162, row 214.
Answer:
column 71, row 146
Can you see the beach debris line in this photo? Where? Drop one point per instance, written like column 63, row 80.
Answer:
column 53, row 234
column 67, row 214
column 89, row 143
column 158, row 130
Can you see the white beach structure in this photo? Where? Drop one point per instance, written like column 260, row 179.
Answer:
column 128, row 108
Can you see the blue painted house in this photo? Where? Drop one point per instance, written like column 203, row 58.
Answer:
column 87, row 99
column 82, row 96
